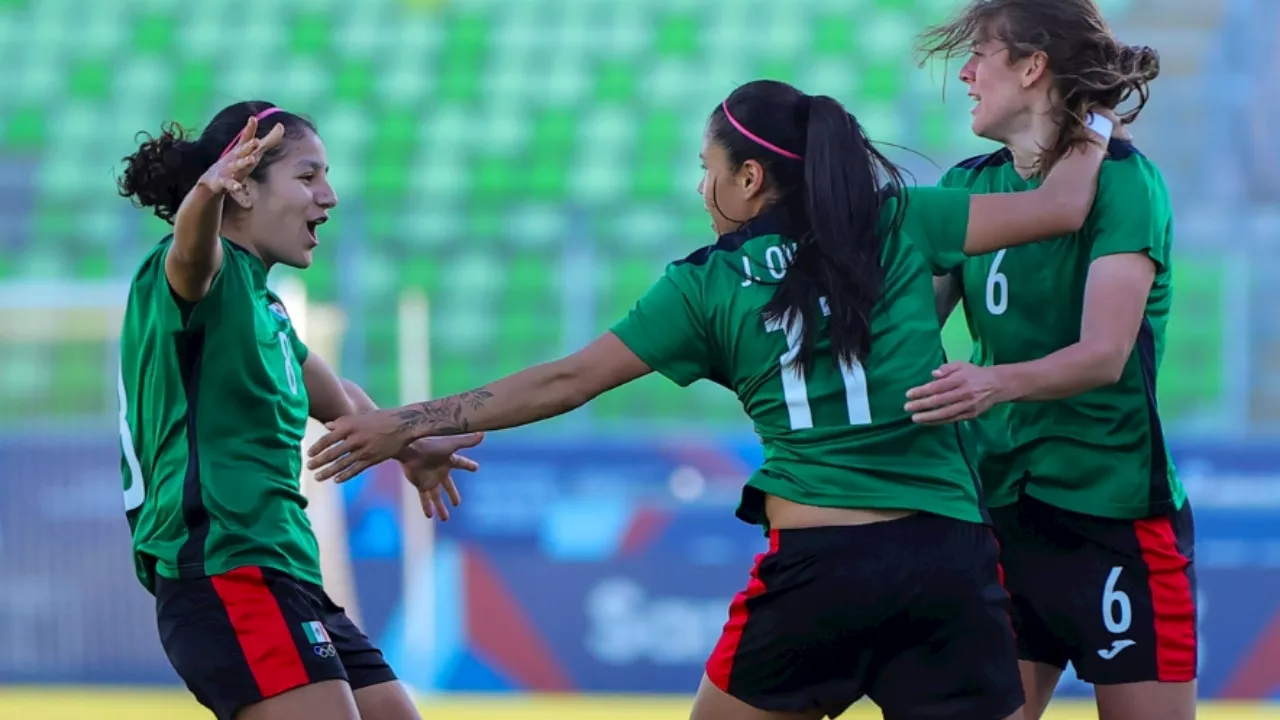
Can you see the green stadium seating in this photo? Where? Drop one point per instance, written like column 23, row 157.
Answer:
column 479, row 147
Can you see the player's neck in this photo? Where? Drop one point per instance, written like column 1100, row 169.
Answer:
column 241, row 238
column 1030, row 140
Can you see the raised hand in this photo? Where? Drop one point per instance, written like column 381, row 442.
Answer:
column 237, row 163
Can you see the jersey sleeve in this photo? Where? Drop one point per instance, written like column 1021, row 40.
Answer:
column 206, row 308
column 667, row 328
column 937, row 221
column 1131, row 213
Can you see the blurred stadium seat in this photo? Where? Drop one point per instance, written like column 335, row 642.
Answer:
column 515, row 159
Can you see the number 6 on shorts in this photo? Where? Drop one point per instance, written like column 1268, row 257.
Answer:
column 1117, row 613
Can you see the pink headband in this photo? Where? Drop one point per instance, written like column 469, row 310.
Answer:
column 755, row 138
column 265, row 113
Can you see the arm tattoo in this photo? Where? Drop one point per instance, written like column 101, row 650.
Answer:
column 444, row 416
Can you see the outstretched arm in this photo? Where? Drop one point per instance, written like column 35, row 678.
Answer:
column 1058, row 207
column 950, row 223
column 544, row 391
column 427, row 462
column 666, row 331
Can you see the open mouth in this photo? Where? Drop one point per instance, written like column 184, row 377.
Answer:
column 311, row 228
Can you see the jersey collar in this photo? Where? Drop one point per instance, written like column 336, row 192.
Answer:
column 771, row 221
column 257, row 267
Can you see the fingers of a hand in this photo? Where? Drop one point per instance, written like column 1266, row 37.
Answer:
column 325, row 441
column 947, row 369
column 354, row 469
column 250, row 130
column 433, row 505
column 329, row 441
column 936, row 387
column 335, row 467
column 461, row 462
column 939, row 400
column 271, row 139
column 943, row 415
column 239, row 169
column 452, row 489
column 333, row 453
column 225, row 185
column 324, row 472
column 466, row 441
column 246, row 148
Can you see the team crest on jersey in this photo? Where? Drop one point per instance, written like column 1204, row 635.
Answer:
column 278, row 310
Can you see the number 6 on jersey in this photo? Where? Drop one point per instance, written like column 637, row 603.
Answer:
column 997, row 287
column 796, row 392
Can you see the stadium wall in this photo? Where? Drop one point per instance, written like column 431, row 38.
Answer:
column 594, row 566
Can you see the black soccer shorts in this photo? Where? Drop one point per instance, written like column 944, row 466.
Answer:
column 1115, row 598
column 253, row 633
column 908, row 612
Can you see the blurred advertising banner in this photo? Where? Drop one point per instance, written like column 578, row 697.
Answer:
column 588, row 565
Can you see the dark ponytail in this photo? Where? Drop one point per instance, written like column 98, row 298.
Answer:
column 166, row 167
column 1137, row 66
column 839, row 259
column 829, row 186
column 163, row 170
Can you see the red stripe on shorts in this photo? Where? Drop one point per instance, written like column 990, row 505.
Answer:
column 1171, row 598
column 720, row 664
column 262, row 631
column 1000, row 578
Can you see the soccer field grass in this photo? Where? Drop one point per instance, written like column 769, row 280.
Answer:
column 85, row 704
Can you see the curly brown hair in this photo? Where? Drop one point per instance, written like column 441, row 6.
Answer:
column 1090, row 67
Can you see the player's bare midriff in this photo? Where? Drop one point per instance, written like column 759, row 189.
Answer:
column 784, row 515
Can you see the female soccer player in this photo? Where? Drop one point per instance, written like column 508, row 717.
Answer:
column 816, row 307
column 1095, row 528
column 215, row 389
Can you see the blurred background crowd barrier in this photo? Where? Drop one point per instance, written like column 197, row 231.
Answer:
column 513, row 175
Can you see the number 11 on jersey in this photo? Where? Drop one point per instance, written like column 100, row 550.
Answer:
column 796, row 391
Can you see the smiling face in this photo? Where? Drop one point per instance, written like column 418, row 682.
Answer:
column 291, row 201
column 1007, row 91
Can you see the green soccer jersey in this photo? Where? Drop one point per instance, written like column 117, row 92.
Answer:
column 1101, row 452
column 212, row 414
column 834, row 436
